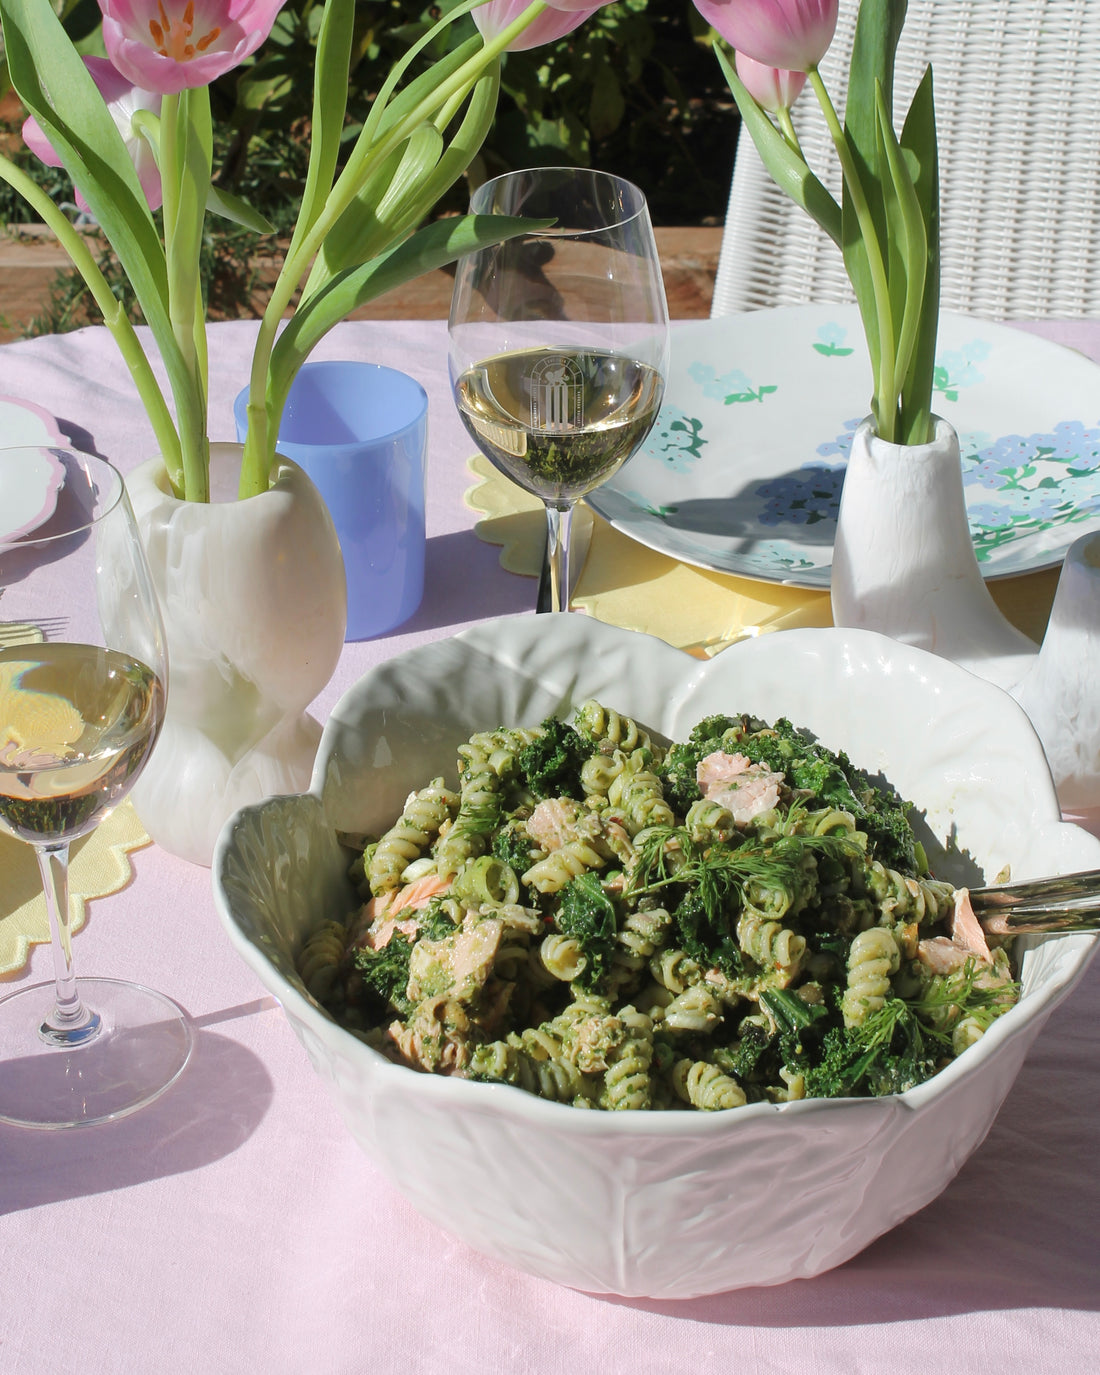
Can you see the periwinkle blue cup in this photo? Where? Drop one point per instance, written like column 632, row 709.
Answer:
column 360, row 431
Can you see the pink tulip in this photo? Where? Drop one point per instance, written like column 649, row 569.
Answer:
column 562, row 18
column 773, row 88
column 793, row 35
column 171, row 45
column 123, row 102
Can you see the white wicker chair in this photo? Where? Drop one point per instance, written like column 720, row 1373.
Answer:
column 1018, row 119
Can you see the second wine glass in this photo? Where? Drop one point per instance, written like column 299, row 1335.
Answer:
column 559, row 339
column 83, row 678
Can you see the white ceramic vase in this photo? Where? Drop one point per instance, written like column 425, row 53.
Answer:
column 904, row 563
column 1060, row 692
column 254, row 604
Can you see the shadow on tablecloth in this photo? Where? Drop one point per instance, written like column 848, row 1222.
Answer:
column 218, row 1103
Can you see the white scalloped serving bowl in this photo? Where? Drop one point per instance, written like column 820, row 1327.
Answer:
column 661, row 1205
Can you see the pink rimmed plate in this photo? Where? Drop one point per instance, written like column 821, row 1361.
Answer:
column 33, row 499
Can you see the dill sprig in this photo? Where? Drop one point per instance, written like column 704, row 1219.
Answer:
column 704, row 885
column 667, row 855
column 972, row 990
column 905, row 1042
column 890, row 1052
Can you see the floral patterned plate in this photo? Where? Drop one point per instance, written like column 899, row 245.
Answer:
column 743, row 471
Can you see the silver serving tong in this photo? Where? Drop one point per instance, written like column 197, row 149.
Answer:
column 1070, row 902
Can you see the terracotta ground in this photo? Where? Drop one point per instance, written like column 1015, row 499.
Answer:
column 29, row 262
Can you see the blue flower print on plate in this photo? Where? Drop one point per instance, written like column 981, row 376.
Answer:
column 731, row 387
column 841, row 446
column 958, row 368
column 676, row 440
column 810, row 495
column 743, row 471
column 1020, row 486
column 831, row 341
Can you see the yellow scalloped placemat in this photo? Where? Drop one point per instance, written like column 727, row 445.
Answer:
column 98, row 866
column 626, row 584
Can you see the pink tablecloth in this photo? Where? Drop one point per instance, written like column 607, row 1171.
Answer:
column 235, row 1227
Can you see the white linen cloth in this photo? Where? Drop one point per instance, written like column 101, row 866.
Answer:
column 234, row 1226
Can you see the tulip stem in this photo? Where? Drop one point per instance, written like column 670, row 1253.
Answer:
column 787, row 129
column 182, row 162
column 259, row 454
column 884, row 403
column 113, row 312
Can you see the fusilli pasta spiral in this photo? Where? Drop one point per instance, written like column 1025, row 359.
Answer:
column 609, row 924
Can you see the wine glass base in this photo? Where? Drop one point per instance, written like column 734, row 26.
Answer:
column 141, row 1050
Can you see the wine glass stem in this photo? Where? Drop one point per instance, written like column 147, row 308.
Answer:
column 70, row 1023
column 558, row 521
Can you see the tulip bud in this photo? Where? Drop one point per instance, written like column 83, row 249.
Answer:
column 773, row 88
column 791, row 35
column 561, row 18
column 123, row 100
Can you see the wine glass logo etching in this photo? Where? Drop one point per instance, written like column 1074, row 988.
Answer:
column 557, row 394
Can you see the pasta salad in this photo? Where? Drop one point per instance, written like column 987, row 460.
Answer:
column 611, row 922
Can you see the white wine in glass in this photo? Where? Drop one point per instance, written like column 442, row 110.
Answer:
column 83, row 678
column 559, row 339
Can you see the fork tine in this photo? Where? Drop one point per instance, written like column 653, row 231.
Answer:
column 1018, row 921
column 1077, row 888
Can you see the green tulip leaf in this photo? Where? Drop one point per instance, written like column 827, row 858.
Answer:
column 382, row 222
column 422, row 153
column 918, row 141
column 380, row 217
column 908, row 258
column 788, row 169
column 330, row 96
column 357, row 234
column 84, row 136
column 463, row 147
column 874, row 45
column 388, row 110
column 95, row 157
column 236, row 211
column 374, row 219
column 430, row 248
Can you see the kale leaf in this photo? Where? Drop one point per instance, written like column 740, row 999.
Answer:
column 512, row 846
column 702, row 938
column 751, row 1059
column 889, row 1053
column 386, row 975
column 801, row 1027
column 677, row 770
column 677, row 775
column 551, row 763
column 834, row 780
column 433, row 923
column 829, row 777
column 588, row 915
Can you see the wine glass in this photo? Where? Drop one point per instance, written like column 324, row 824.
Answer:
column 559, row 339
column 83, row 677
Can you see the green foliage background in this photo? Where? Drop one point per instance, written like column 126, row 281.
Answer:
column 636, row 90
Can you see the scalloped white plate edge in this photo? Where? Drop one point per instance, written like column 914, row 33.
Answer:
column 24, row 423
